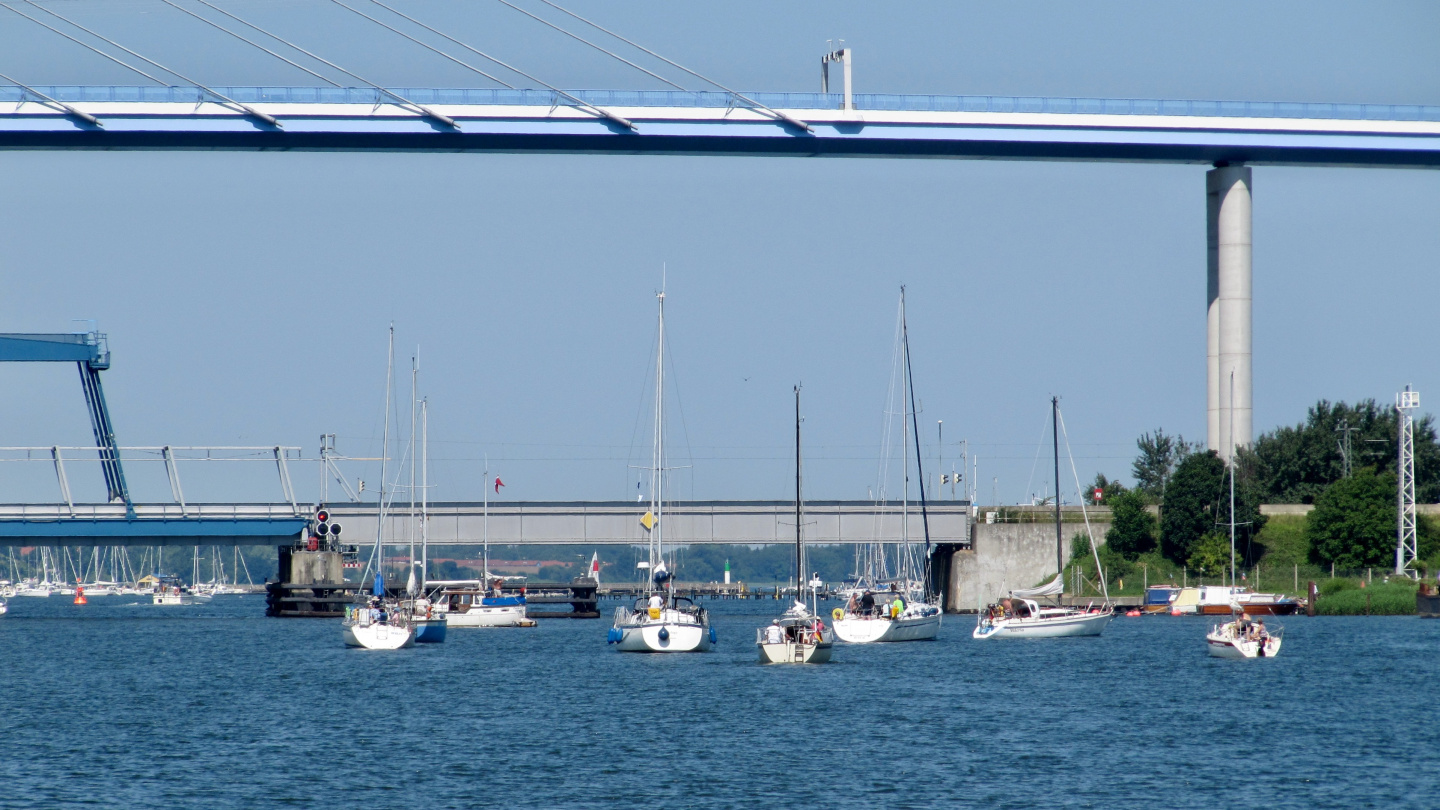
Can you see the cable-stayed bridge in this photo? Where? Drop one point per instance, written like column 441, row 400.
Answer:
column 336, row 108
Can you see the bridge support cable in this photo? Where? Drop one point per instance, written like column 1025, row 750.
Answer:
column 753, row 104
column 424, row 45
column 580, row 103
column 104, row 435
column 219, row 98
column 58, row 106
column 173, row 473
column 60, row 477
column 252, row 43
column 400, row 101
column 579, row 38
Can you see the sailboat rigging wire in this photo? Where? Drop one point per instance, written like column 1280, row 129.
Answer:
column 224, row 100
column 1039, row 445
column 47, row 101
column 424, row 45
column 1099, row 570
column 919, row 467
column 582, row 104
column 402, row 102
column 252, row 43
column 794, row 122
column 575, row 36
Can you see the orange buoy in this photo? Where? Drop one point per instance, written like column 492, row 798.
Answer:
column 79, row 595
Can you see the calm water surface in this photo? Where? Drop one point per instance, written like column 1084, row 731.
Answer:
column 119, row 703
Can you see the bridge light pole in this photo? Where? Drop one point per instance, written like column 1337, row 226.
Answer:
column 1228, row 316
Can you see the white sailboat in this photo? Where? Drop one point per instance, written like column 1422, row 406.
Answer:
column 1021, row 616
column 660, row 621
column 885, row 608
column 381, row 623
column 799, row 636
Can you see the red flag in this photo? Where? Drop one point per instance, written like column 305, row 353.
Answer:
column 498, row 484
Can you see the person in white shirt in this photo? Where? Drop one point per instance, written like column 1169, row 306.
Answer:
column 773, row 633
column 656, row 601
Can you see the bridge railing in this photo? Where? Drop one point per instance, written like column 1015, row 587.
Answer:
column 890, row 102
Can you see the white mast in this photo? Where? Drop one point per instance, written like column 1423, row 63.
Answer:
column 657, row 461
column 410, row 585
column 379, row 553
column 1232, row 478
column 424, row 492
column 485, row 566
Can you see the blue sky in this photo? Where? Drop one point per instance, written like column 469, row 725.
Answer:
column 247, row 296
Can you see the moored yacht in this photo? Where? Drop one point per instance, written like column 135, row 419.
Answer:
column 466, row 603
column 1242, row 638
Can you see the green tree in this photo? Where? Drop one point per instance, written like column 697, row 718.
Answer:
column 1109, row 488
column 1132, row 527
column 1295, row 464
column 1192, row 497
column 1211, row 554
column 1353, row 523
column 1159, row 456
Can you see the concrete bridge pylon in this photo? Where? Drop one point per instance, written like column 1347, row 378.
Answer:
column 1229, row 303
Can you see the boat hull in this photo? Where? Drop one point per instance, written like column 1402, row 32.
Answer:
column 789, row 652
column 1221, row 647
column 1286, row 608
column 430, row 631
column 173, row 599
column 863, row 630
column 1080, row 624
column 504, row 616
column 679, row 637
column 378, row 636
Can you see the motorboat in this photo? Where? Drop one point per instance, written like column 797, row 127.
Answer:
column 1158, row 598
column 169, row 590
column 1243, row 639
column 798, row 636
column 1268, row 604
column 659, row 624
column 467, row 604
column 1220, row 600
column 430, row 626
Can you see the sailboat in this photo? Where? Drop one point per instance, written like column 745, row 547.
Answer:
column 1021, row 616
column 798, row 636
column 660, row 621
column 482, row 602
column 429, row 624
column 380, row 623
column 902, row 607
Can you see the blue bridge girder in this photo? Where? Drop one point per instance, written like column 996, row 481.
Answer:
column 153, row 525
column 706, row 123
column 90, row 351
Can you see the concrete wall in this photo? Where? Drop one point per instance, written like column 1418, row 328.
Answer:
column 1006, row 556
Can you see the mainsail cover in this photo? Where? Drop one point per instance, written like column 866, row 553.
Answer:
column 1055, row 587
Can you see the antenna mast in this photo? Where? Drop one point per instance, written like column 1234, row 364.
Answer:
column 1407, row 549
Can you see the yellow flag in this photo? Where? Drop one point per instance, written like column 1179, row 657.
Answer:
column 648, row 520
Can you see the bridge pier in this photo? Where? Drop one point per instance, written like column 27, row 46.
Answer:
column 1228, row 314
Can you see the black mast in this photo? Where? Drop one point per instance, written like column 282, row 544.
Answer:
column 1059, row 537
column 915, row 422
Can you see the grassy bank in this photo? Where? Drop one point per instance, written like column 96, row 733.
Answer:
column 1346, row 597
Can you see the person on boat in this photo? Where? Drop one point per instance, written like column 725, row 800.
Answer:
column 867, row 604
column 656, row 601
column 897, row 607
column 773, row 633
column 1261, row 635
column 1243, row 627
column 852, row 604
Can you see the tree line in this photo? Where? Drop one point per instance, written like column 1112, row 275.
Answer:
column 1342, row 459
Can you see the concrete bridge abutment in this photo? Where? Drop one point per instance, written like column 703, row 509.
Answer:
column 1228, row 309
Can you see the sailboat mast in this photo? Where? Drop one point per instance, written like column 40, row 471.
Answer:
column 657, row 463
column 384, row 457
column 1059, row 536
column 799, row 544
column 424, row 492
column 915, row 425
column 410, row 524
column 1232, row 479
column 485, row 573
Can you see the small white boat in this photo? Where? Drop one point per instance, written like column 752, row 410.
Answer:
column 1028, row 619
column 467, row 604
column 1242, row 639
column 798, row 637
column 172, row 596
column 4, row 608
column 377, row 628
column 41, row 591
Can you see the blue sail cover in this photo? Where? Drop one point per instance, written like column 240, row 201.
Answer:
column 379, row 589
